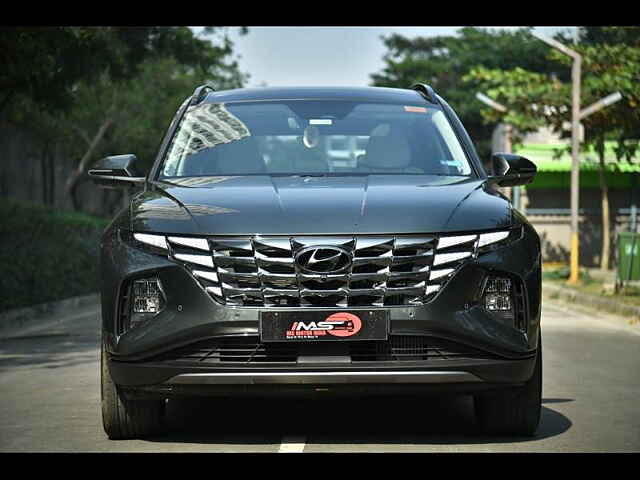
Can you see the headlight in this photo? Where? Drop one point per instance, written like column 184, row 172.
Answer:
column 148, row 241
column 493, row 240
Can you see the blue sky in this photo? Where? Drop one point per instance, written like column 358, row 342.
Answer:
column 282, row 56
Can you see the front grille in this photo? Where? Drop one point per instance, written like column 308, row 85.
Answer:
column 260, row 271
column 249, row 350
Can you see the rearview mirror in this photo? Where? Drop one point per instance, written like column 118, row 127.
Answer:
column 117, row 171
column 508, row 170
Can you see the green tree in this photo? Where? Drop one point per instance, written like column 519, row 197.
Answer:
column 127, row 104
column 610, row 63
column 443, row 61
column 45, row 64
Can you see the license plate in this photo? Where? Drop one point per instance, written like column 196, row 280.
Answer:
column 324, row 326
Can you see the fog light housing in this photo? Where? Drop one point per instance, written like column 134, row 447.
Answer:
column 498, row 297
column 147, row 296
column 504, row 298
column 498, row 294
column 499, row 302
column 144, row 299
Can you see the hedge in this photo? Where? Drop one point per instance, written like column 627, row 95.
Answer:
column 46, row 254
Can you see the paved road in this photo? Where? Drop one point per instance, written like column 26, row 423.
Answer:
column 51, row 402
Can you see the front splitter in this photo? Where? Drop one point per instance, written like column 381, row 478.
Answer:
column 323, row 378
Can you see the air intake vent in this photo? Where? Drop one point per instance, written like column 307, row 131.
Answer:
column 249, row 350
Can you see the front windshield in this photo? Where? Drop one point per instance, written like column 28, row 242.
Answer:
column 307, row 137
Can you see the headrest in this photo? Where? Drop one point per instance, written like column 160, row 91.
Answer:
column 387, row 151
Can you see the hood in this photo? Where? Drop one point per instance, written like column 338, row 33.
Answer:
column 286, row 205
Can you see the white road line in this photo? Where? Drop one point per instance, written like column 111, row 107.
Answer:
column 292, row 444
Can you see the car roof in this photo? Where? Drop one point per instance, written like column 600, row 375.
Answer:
column 372, row 94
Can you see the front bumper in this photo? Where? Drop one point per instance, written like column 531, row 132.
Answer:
column 461, row 376
column 191, row 315
column 323, row 378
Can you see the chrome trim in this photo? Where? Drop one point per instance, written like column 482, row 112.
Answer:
column 199, row 243
column 211, row 276
column 256, row 271
column 445, row 242
column 443, row 258
column 489, row 238
column 205, row 260
column 432, row 289
column 435, row 274
column 324, row 378
column 154, row 240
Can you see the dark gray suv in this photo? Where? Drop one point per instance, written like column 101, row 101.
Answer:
column 291, row 240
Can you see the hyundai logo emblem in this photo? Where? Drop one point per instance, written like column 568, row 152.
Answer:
column 323, row 260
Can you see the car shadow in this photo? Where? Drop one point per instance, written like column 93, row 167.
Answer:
column 425, row 421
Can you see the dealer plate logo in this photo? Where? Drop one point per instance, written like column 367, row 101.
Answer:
column 340, row 324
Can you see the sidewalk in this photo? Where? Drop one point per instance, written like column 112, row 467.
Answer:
column 626, row 313
column 47, row 313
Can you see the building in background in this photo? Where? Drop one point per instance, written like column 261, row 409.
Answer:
column 547, row 201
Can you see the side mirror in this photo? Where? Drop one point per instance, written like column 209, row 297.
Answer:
column 507, row 170
column 117, row 171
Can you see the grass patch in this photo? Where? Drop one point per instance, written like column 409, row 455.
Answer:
column 629, row 295
column 539, row 151
column 46, row 254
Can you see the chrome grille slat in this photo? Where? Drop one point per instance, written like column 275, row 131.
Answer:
column 367, row 291
column 278, row 291
column 403, row 260
column 306, row 292
column 385, row 270
column 237, row 276
column 224, row 260
column 424, row 242
column 385, row 260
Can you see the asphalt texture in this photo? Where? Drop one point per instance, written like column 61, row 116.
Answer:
column 49, row 382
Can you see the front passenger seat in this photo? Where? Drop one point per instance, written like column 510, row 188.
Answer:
column 389, row 153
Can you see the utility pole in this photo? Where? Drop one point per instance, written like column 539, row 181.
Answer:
column 507, row 143
column 576, row 69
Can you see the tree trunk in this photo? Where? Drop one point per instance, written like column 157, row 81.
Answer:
column 606, row 227
column 85, row 162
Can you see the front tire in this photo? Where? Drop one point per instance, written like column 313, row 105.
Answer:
column 515, row 411
column 123, row 418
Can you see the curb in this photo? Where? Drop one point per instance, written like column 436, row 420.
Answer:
column 630, row 312
column 22, row 317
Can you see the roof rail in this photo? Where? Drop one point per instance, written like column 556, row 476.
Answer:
column 426, row 91
column 199, row 93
